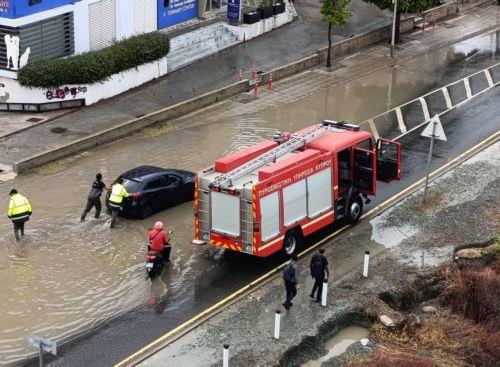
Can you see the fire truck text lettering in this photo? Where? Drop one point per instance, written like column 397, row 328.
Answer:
column 322, row 165
column 302, row 174
column 274, row 187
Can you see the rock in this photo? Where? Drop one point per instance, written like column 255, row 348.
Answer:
column 469, row 253
column 364, row 342
column 429, row 309
column 386, row 320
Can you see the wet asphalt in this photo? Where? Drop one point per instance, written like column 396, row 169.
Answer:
column 464, row 128
column 178, row 297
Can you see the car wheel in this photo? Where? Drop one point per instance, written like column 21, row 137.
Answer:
column 291, row 242
column 355, row 208
column 146, row 212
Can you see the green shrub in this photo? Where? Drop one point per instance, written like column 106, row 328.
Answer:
column 95, row 66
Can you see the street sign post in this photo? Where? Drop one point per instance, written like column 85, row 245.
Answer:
column 43, row 345
column 433, row 130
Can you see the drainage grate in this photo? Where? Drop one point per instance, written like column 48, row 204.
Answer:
column 34, row 119
column 58, row 130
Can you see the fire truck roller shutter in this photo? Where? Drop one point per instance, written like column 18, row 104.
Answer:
column 295, row 202
column 225, row 213
column 319, row 188
column 270, row 216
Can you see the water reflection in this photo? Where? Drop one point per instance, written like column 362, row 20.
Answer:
column 66, row 276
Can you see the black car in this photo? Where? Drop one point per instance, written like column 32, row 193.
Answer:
column 153, row 189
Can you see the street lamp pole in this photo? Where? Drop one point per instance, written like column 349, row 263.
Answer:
column 395, row 2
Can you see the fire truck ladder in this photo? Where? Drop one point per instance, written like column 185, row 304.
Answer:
column 295, row 142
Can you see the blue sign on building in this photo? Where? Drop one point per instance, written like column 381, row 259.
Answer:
column 233, row 9
column 20, row 8
column 172, row 12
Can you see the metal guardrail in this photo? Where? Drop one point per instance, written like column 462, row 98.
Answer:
column 451, row 96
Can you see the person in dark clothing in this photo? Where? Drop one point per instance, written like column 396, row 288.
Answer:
column 94, row 198
column 291, row 279
column 319, row 270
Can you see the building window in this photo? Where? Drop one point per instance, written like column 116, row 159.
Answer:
column 34, row 2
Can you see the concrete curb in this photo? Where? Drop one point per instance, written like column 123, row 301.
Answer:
column 243, row 292
column 128, row 127
column 339, row 49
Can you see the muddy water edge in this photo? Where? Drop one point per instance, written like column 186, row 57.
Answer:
column 67, row 277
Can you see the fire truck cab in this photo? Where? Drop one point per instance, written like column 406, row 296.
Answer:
column 268, row 197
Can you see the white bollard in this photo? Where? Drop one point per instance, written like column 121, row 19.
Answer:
column 323, row 293
column 365, row 266
column 277, row 319
column 225, row 356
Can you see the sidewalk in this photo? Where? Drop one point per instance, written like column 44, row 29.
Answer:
column 408, row 239
column 220, row 70
column 282, row 46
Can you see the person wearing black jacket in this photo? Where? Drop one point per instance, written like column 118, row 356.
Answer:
column 291, row 279
column 94, row 198
column 319, row 270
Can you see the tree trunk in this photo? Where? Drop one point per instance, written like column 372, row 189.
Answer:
column 398, row 26
column 329, row 53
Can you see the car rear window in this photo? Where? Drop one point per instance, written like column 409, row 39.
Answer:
column 131, row 185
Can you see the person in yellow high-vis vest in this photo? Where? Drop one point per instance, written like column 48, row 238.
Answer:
column 118, row 192
column 19, row 212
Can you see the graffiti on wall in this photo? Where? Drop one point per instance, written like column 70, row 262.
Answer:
column 62, row 93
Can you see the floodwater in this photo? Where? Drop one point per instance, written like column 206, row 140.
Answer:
column 339, row 344
column 66, row 277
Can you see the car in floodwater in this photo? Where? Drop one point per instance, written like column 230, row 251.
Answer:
column 153, row 189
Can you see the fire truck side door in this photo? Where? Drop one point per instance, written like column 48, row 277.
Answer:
column 365, row 167
column 388, row 160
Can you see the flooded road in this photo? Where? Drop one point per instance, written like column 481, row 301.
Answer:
column 66, row 277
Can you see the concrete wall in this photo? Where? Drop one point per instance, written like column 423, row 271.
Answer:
column 244, row 32
column 445, row 10
column 291, row 69
column 356, row 43
column 129, row 127
column 340, row 49
column 13, row 92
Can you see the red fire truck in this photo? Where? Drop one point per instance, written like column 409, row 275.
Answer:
column 267, row 197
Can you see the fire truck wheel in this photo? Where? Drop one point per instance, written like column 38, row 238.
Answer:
column 291, row 242
column 355, row 209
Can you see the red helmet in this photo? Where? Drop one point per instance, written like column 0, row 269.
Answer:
column 159, row 226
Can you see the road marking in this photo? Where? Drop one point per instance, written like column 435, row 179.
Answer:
column 401, row 123
column 374, row 129
column 425, row 109
column 468, row 91
column 409, row 190
column 488, row 77
column 447, row 98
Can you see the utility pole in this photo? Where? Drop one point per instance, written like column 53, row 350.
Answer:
column 395, row 2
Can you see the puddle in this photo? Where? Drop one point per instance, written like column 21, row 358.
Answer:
column 56, row 293
column 389, row 236
column 339, row 344
column 430, row 258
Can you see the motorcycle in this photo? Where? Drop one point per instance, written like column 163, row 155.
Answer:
column 154, row 262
